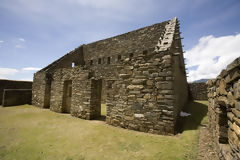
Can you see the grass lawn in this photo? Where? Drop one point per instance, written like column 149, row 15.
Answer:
column 30, row 133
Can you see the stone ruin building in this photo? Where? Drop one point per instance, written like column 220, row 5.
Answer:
column 224, row 112
column 141, row 74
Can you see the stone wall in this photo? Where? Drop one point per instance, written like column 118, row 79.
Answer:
column 150, row 90
column 11, row 84
column 143, row 98
column 224, row 111
column 13, row 97
column 38, row 89
column 198, row 91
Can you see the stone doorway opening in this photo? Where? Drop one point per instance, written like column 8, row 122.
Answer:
column 47, row 95
column 223, row 125
column 97, row 103
column 67, row 96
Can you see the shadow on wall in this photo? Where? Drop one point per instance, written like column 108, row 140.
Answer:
column 198, row 117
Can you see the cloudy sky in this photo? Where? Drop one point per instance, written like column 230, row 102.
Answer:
column 34, row 33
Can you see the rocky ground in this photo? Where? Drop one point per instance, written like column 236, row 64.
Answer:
column 205, row 145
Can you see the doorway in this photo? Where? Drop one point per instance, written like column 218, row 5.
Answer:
column 223, row 125
column 67, row 97
column 98, row 106
column 47, row 95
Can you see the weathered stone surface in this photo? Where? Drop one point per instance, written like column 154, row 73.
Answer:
column 138, row 115
column 138, row 81
column 124, row 76
column 236, row 89
column 198, row 91
column 234, row 64
column 136, row 87
column 237, row 104
column 150, row 82
column 224, row 112
column 222, row 87
column 236, row 129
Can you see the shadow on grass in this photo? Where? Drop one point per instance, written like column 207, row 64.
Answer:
column 198, row 117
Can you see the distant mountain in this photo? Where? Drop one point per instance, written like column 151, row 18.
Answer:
column 201, row 81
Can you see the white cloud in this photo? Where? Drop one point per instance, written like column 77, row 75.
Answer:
column 30, row 69
column 1, row 41
column 5, row 72
column 21, row 39
column 26, row 79
column 211, row 55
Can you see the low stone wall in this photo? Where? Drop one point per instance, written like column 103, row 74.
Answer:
column 224, row 111
column 10, row 84
column 198, row 91
column 13, row 97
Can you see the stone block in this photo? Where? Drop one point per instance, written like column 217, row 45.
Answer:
column 233, row 65
column 166, row 57
column 230, row 116
column 150, row 82
column 138, row 115
column 237, row 105
column 169, row 96
column 135, row 87
column 147, row 96
column 236, row 129
column 146, row 73
column 230, row 98
column 124, row 76
column 222, row 87
column 138, row 81
column 236, row 89
column 134, row 92
column 153, row 75
column 166, row 112
column 236, row 112
column 129, row 118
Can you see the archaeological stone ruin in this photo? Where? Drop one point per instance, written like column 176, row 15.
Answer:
column 140, row 75
column 224, row 112
column 14, row 93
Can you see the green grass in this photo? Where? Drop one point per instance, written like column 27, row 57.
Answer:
column 103, row 109
column 31, row 133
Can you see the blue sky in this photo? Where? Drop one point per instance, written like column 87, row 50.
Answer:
column 34, row 33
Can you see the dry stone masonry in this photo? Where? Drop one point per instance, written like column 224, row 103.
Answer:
column 198, row 91
column 224, row 111
column 13, row 97
column 15, row 92
column 140, row 75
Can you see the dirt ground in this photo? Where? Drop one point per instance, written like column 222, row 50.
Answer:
column 205, row 145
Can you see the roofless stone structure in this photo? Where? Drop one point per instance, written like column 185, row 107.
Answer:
column 141, row 72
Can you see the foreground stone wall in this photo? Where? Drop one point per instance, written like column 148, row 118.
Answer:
column 198, row 91
column 11, row 84
column 13, row 97
column 142, row 99
column 147, row 94
column 224, row 111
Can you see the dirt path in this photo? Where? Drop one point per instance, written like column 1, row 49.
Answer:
column 205, row 145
